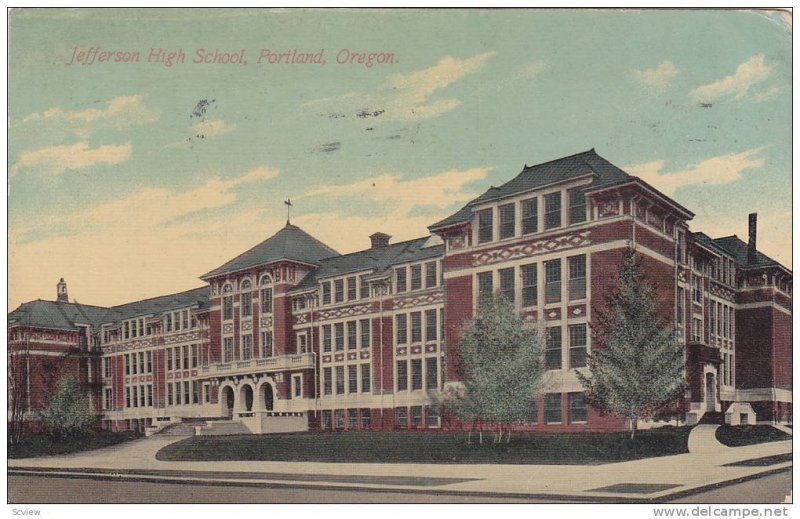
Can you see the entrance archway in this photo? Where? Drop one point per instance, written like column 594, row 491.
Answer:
column 269, row 397
column 227, row 401
column 711, row 393
column 246, row 397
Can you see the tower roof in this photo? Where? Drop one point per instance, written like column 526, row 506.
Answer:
column 290, row 243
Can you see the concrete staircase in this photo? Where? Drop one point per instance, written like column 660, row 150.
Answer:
column 222, row 428
column 180, row 429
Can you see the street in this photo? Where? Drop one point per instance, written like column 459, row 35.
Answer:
column 34, row 489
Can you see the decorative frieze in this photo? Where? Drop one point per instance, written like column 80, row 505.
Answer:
column 335, row 313
column 426, row 299
column 525, row 250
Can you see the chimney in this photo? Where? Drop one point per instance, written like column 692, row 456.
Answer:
column 751, row 243
column 379, row 240
column 61, row 292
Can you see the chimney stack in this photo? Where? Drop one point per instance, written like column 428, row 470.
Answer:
column 61, row 292
column 379, row 240
column 751, row 243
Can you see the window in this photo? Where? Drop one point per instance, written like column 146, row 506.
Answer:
column 195, row 392
column 195, row 357
column 134, row 364
column 577, row 205
column 681, row 299
column 552, row 273
column 227, row 349
column 530, row 216
column 431, row 417
column 247, row 347
column 712, row 318
column 339, row 330
column 227, row 307
column 338, row 290
column 578, row 410
column 352, row 418
column 169, row 394
column 402, row 375
column 416, row 374
column 352, row 379
column 297, row 386
column 431, row 374
column 108, row 400
column 207, row 393
column 134, row 328
column 339, row 417
column 326, row 419
column 326, row 337
column 327, row 380
column 302, row 343
column 507, row 287
column 363, row 287
column 416, row 416
column 365, row 333
column 126, row 327
column 178, row 394
column 339, row 380
column 192, row 319
column 266, row 344
column 401, row 323
column 149, row 357
column 552, row 210
column 697, row 330
column 400, row 279
column 177, row 351
column 365, row 418
column 698, row 291
column 485, row 288
column 107, row 367
column 266, row 300
column 352, row 291
column 366, row 378
column 185, row 320
column 401, row 417
column 577, row 346
column 326, row 293
column 127, row 397
column 552, row 350
column 352, row 335
column 247, row 305
column 552, row 408
column 186, row 357
column 168, row 323
column 416, row 277
column 141, row 362
column 430, row 326
column 430, row 274
column 577, row 277
column 485, row 226
column 507, row 223
column 530, row 293
column 416, row 326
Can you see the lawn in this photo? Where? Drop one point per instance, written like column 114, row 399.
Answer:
column 409, row 447
column 739, row 435
column 36, row 446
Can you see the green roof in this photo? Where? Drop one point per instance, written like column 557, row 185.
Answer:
column 738, row 249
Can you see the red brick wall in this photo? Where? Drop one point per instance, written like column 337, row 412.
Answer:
column 458, row 311
column 754, row 355
column 782, row 348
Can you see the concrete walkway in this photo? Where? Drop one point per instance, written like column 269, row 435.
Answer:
column 703, row 440
column 639, row 480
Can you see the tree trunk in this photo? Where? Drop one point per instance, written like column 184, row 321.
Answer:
column 634, row 425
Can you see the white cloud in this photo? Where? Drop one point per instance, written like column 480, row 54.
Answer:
column 659, row 77
column 750, row 73
column 724, row 169
column 533, row 69
column 766, row 95
column 212, row 128
column 119, row 112
column 57, row 159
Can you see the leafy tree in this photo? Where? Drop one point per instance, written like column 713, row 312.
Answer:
column 638, row 368
column 69, row 414
column 501, row 367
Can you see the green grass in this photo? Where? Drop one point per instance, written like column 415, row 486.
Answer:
column 739, row 435
column 37, row 446
column 410, row 447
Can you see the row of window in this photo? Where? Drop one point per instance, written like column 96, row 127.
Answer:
column 352, row 382
column 529, row 215
column 182, row 357
column 137, row 396
column 577, row 408
column 414, row 378
column 246, row 302
column 727, row 369
column 525, row 277
column 720, row 320
column 415, row 319
column 577, row 346
column 358, row 335
column 180, row 320
column 351, row 419
column 138, row 363
column 247, row 350
column 183, row 393
column 357, row 288
column 403, row 281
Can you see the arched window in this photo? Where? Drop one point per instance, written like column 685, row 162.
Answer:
column 247, row 298
column 266, row 294
column 227, row 302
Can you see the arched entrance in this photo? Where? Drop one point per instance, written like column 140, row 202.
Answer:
column 711, row 393
column 246, row 397
column 227, row 401
column 269, row 398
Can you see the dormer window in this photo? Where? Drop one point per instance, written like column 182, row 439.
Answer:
column 485, row 226
column 552, row 210
column 507, row 223
column 577, row 206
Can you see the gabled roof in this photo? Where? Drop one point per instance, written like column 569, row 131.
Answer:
column 56, row 315
column 738, row 249
column 373, row 260
column 290, row 243
column 156, row 305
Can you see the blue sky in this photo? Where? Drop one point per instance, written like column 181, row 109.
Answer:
column 132, row 179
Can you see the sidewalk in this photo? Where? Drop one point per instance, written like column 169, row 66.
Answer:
column 651, row 479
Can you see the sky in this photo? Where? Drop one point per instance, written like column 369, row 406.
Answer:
column 132, row 179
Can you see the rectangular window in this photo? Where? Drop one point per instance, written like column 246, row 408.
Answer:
column 552, row 210
column 168, row 321
column 578, row 410
column 228, row 349
column 352, row 335
column 366, row 378
column 185, row 320
column 339, row 417
column 416, row 374
column 134, row 328
column 339, row 380
column 186, row 393
column 552, row 273
column 430, row 326
column 207, row 393
column 485, row 288
column 176, row 317
column 352, row 379
column 352, row 292
column 326, row 338
column 302, row 343
column 127, row 330
column 195, row 392
column 227, row 307
column 169, row 394
column 431, row 417
column 127, row 397
column 366, row 333
column 364, row 287
column 416, row 416
column 178, row 394
column 326, row 419
column 577, row 346
column 247, row 347
column 681, row 300
column 507, row 288
column 577, row 205
column 247, row 306
column 149, row 357
column 365, row 419
column 186, row 357
column 178, row 364
column 698, row 291
column 507, row 214
column 108, row 401
column 530, row 216
column 416, row 327
column 530, row 292
column 577, row 277
column 352, row 418
column 326, row 293
column 416, row 277
column 402, row 375
column 712, row 318
column 401, row 323
column 400, row 279
column 195, row 356
column 401, row 417
column 127, row 365
column 134, row 364
column 485, row 226
column 266, row 344
column 431, row 373
column 266, row 300
column 430, row 274
column 339, row 330
column 338, row 290
column 297, row 385
column 552, row 408
column 327, row 380
column 552, row 351
column 697, row 330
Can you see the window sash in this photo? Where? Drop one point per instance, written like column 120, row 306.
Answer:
column 416, row 277
column 553, row 347
column 352, row 376
column 339, row 380
column 530, row 216
column 430, row 274
column 402, row 375
column 402, row 328
column 416, row 327
column 577, row 205
column 416, row 374
column 338, row 290
column 552, row 408
column 339, row 330
column 352, row 337
column 507, row 220
column 530, row 292
column 485, row 287
column 577, row 346
column 485, row 226
column 552, row 270
column 365, row 333
column 578, row 408
column 552, row 210
column 351, row 289
column 366, row 378
column 430, row 326
column 431, row 373
column 400, row 279
column 507, row 285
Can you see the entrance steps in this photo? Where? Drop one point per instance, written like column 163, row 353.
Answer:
column 221, row 428
column 181, row 428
